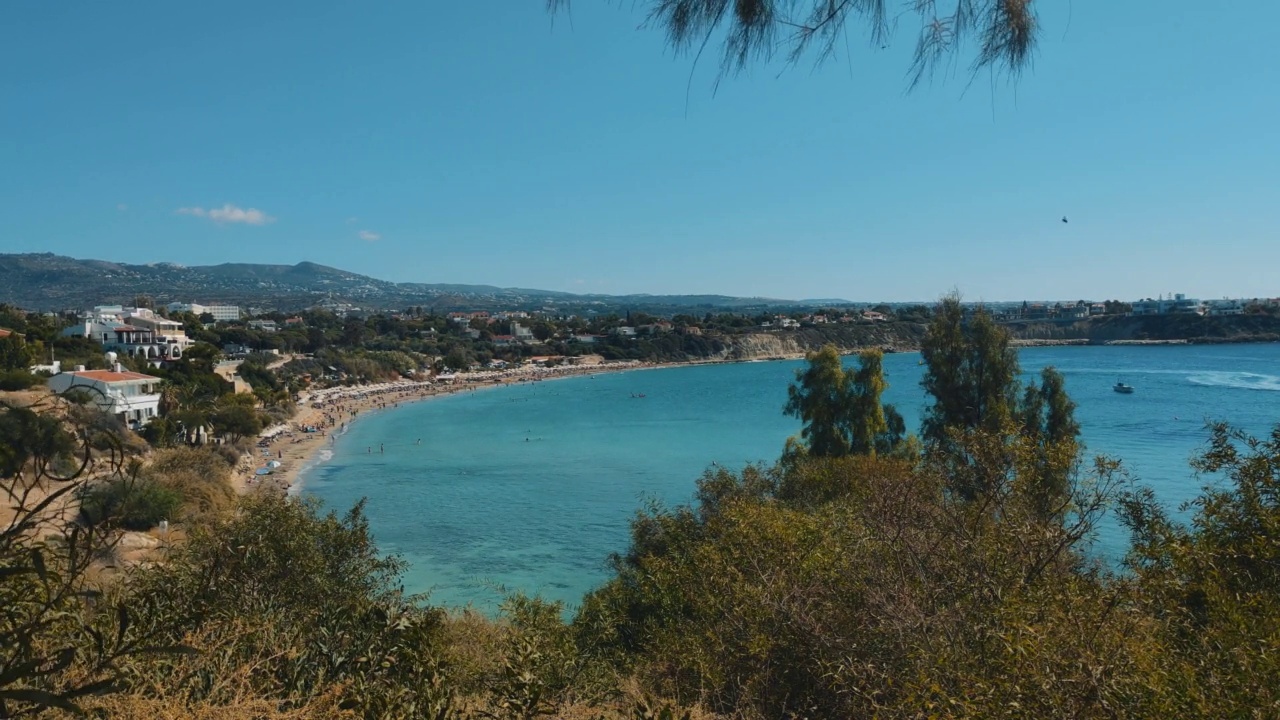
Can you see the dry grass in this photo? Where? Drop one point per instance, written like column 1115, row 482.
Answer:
column 138, row 707
column 475, row 646
column 201, row 476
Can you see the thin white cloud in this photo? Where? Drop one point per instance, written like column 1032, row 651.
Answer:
column 352, row 220
column 229, row 213
column 122, row 207
column 368, row 236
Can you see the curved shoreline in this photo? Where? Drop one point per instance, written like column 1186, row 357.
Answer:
column 299, row 451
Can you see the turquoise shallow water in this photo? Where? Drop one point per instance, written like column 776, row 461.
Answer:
column 532, row 486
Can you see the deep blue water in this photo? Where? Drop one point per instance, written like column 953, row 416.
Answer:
column 532, row 486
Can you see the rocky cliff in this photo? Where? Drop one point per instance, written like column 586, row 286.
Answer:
column 896, row 337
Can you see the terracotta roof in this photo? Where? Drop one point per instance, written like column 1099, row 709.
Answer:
column 111, row 376
column 5, row 333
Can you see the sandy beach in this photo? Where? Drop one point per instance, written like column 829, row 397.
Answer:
column 287, row 449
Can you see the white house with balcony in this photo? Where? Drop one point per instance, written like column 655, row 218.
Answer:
column 163, row 330
column 130, row 396
column 131, row 340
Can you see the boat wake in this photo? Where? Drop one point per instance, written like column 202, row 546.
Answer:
column 1239, row 380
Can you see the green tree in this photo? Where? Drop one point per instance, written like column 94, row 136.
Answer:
column 15, row 354
column 867, row 422
column 542, row 330
column 457, row 359
column 821, row 398
column 354, row 333
column 1047, row 419
column 971, row 372
column 895, row 436
column 840, row 408
column 30, row 440
column 236, row 420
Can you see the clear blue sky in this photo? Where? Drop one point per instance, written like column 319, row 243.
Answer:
column 485, row 143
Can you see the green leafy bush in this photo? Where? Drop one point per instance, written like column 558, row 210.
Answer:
column 12, row 380
column 129, row 503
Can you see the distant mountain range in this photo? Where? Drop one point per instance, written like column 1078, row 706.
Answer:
column 44, row 281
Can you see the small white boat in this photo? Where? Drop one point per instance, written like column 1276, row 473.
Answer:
column 1122, row 388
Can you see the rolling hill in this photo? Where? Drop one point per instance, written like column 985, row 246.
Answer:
column 44, row 281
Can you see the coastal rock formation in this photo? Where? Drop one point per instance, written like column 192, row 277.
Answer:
column 893, row 337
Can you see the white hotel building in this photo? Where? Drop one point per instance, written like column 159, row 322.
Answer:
column 220, row 313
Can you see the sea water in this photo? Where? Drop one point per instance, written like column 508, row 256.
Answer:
column 531, row 486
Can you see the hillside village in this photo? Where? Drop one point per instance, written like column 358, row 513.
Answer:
column 124, row 355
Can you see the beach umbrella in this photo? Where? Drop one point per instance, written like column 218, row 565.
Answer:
column 274, row 464
column 262, row 471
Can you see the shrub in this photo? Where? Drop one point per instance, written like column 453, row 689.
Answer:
column 129, row 503
column 228, row 452
column 860, row 588
column 199, row 476
column 13, row 380
column 290, row 605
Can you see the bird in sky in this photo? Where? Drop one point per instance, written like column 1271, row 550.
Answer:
column 1064, row 218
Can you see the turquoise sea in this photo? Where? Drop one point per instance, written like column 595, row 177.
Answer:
column 532, row 486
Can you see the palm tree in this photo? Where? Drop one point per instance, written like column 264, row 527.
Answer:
column 170, row 397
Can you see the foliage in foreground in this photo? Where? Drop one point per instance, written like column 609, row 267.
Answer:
column 861, row 587
column 60, row 640
column 832, row 587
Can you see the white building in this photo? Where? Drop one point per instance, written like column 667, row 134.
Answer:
column 1179, row 304
column 522, row 333
column 132, row 397
column 130, row 340
column 220, row 313
column 165, row 330
column 1225, row 307
column 263, row 325
column 107, row 311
